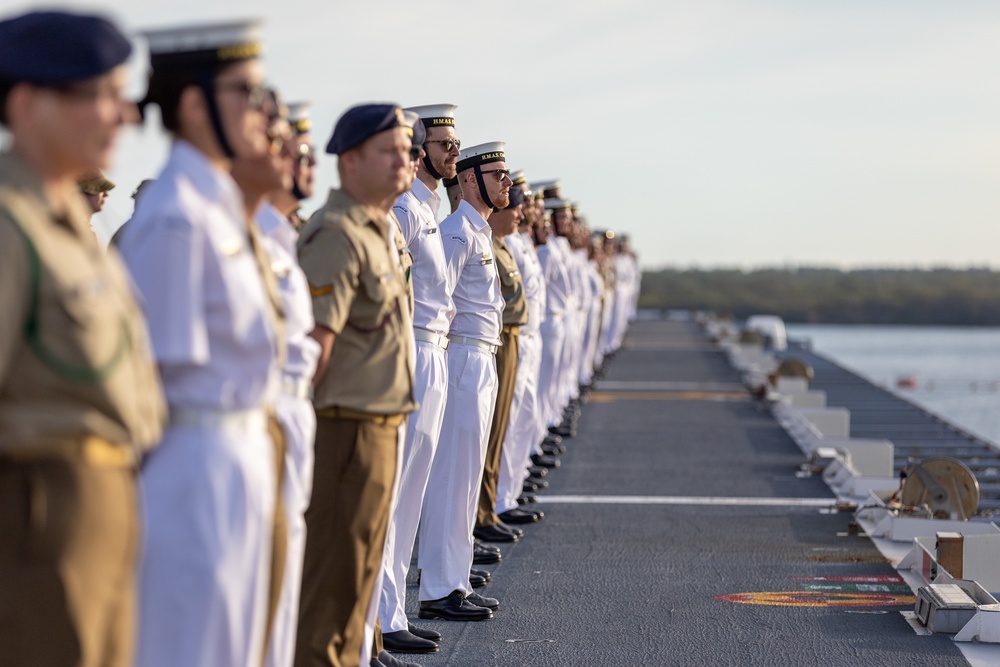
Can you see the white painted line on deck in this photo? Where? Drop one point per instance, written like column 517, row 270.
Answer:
column 718, row 501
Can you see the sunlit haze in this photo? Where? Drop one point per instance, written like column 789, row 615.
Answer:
column 715, row 132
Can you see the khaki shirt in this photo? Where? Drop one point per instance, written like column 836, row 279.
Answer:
column 75, row 358
column 358, row 292
column 515, row 306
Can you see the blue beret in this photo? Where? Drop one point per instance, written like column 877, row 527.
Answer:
column 516, row 197
column 419, row 133
column 53, row 47
column 363, row 121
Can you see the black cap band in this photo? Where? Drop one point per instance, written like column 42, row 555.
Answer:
column 479, row 160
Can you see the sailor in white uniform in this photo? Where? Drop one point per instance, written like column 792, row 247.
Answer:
column 522, row 432
column 557, row 290
column 293, row 406
column 417, row 212
column 209, row 489
column 452, row 496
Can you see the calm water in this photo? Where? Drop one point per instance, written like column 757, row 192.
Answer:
column 956, row 369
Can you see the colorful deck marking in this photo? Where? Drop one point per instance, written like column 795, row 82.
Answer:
column 819, row 599
column 715, row 396
column 858, row 591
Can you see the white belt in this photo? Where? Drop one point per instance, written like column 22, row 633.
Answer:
column 431, row 337
column 296, row 387
column 219, row 419
column 474, row 342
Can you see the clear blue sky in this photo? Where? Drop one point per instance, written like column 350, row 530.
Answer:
column 717, row 132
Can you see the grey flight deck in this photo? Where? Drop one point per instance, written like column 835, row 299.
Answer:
column 636, row 584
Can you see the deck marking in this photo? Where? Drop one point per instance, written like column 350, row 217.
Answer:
column 819, row 599
column 640, row 385
column 859, row 579
column 716, row 396
column 719, row 501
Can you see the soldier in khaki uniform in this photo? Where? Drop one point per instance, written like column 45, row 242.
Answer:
column 363, row 386
column 79, row 396
column 515, row 314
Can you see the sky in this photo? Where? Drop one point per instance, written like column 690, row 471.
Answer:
column 717, row 133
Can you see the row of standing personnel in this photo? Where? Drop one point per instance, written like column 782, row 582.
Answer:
column 297, row 405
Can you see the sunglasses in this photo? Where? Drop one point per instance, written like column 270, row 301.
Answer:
column 501, row 173
column 448, row 144
column 256, row 93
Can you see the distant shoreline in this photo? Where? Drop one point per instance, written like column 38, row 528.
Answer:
column 935, row 297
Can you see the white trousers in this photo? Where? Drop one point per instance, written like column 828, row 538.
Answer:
column 204, row 575
column 452, row 497
column 604, row 344
column 522, row 429
column 549, row 387
column 569, row 366
column 423, row 432
column 298, row 419
column 589, row 356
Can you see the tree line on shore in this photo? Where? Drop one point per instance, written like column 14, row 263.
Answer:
column 832, row 296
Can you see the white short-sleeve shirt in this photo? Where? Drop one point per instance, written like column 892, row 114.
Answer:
column 468, row 250
column 432, row 289
column 188, row 249
column 279, row 237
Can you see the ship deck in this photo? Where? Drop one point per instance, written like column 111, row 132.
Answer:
column 680, row 531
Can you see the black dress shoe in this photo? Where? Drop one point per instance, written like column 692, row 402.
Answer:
column 552, row 449
column 386, row 659
column 482, row 556
column 453, row 608
column 545, row 461
column 404, row 641
column 562, row 430
column 539, row 483
column 424, row 633
column 483, row 601
column 485, row 574
column 476, row 581
column 493, row 534
column 527, row 499
column 517, row 532
column 521, row 516
column 529, row 486
column 552, row 439
column 538, row 471
column 488, row 547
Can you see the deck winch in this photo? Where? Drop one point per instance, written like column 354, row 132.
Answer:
column 940, row 487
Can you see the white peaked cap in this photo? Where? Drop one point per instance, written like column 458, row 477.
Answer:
column 204, row 37
column 472, row 156
column 435, row 114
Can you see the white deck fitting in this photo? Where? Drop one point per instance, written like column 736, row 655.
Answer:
column 829, row 422
column 871, row 458
column 795, row 392
column 907, row 528
column 979, row 558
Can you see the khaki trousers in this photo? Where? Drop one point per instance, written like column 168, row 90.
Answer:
column 346, row 522
column 506, row 379
column 279, row 537
column 68, row 540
